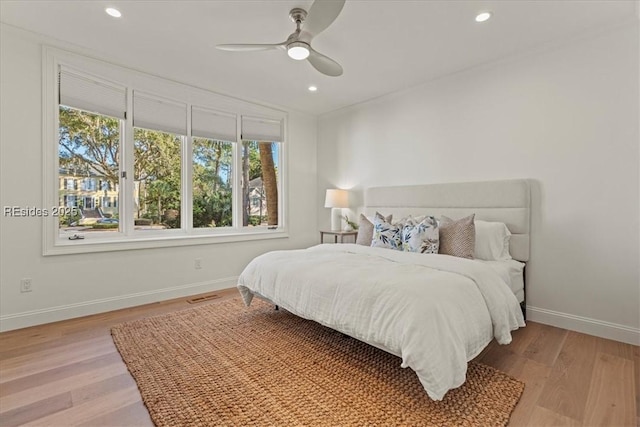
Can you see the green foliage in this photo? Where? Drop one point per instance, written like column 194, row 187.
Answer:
column 255, row 168
column 351, row 223
column 88, row 143
column 212, row 174
column 212, row 210
column 67, row 220
column 157, row 173
column 256, row 219
column 107, row 226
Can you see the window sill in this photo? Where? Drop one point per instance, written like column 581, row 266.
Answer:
column 68, row 247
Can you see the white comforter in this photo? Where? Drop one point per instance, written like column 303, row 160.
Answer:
column 436, row 312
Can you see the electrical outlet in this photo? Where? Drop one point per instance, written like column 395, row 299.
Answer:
column 197, row 263
column 25, row 285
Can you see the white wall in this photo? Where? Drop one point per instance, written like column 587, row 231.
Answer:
column 566, row 116
column 65, row 286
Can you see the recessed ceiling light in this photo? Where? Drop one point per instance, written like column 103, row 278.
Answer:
column 113, row 12
column 484, row 16
column 312, row 88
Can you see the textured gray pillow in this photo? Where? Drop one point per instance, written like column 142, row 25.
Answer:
column 457, row 238
column 365, row 230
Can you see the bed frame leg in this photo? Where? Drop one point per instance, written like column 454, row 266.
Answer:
column 276, row 308
column 523, row 304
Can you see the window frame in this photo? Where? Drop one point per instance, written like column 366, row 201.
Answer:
column 127, row 238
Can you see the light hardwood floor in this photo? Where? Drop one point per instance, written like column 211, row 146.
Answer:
column 69, row 373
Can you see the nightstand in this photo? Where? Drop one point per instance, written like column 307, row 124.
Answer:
column 337, row 234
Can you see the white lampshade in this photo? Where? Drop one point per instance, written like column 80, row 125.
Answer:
column 336, row 199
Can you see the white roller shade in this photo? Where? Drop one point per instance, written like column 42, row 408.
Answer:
column 213, row 124
column 259, row 129
column 152, row 112
column 92, row 94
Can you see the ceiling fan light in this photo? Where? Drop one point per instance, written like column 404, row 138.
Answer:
column 112, row 11
column 298, row 51
column 483, row 16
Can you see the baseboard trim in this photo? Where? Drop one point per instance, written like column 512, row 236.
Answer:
column 25, row 319
column 586, row 325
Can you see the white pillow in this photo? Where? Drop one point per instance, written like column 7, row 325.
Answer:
column 492, row 241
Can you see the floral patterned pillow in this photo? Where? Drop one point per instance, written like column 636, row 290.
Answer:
column 422, row 236
column 385, row 234
column 365, row 230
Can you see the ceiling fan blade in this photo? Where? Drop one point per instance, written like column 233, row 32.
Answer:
column 324, row 64
column 249, row 47
column 321, row 15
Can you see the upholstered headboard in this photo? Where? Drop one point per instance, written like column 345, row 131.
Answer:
column 506, row 201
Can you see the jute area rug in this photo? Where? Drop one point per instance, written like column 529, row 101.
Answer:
column 223, row 364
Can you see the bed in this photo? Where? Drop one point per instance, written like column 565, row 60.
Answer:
column 436, row 312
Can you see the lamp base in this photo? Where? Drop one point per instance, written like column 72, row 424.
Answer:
column 336, row 219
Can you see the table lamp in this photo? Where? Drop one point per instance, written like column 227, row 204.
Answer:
column 336, row 200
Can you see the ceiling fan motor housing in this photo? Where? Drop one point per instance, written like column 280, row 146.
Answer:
column 298, row 15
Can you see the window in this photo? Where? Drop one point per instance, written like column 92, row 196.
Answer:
column 260, row 183
column 155, row 163
column 157, row 179
column 260, row 166
column 88, row 184
column 88, row 145
column 212, row 183
column 158, row 137
column 212, row 164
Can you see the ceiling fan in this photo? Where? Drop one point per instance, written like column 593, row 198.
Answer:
column 298, row 44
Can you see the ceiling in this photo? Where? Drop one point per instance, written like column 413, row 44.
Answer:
column 384, row 46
